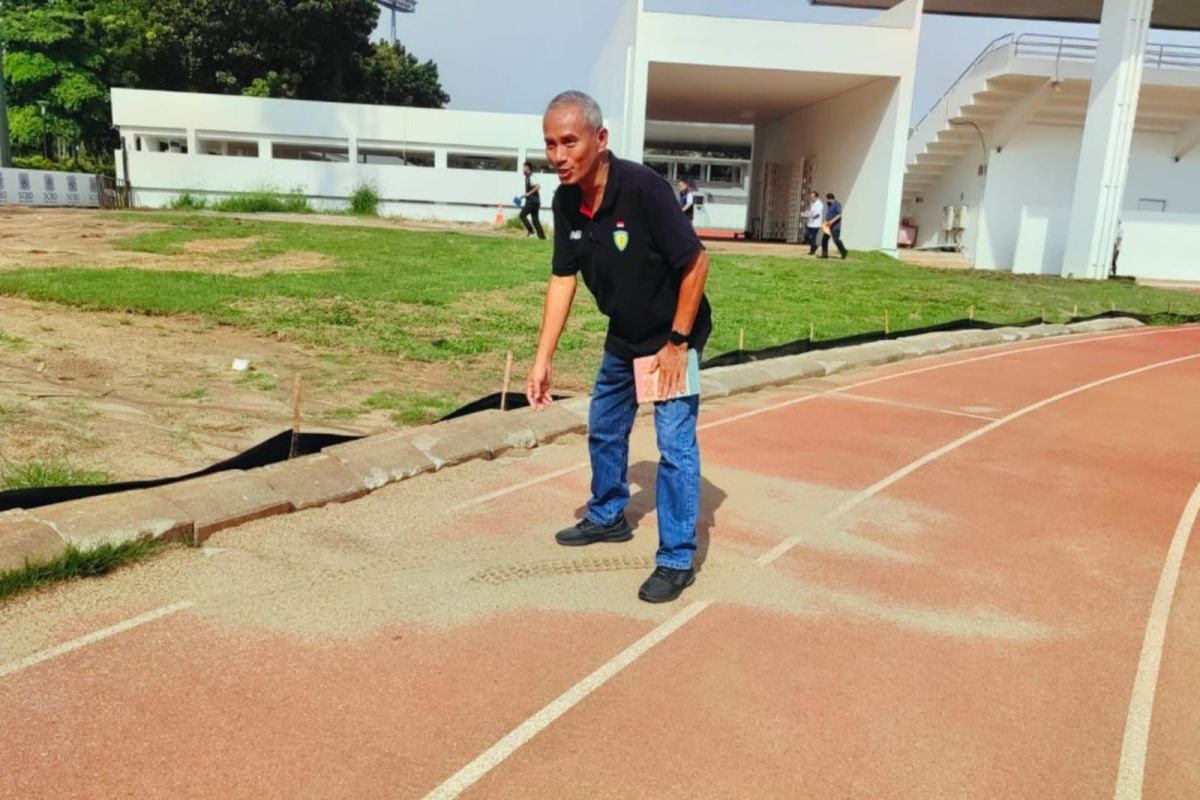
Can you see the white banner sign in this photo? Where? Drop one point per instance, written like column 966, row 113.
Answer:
column 35, row 187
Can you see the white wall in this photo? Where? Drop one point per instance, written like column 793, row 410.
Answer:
column 35, row 187
column 851, row 138
column 1030, row 185
column 612, row 76
column 1161, row 246
column 961, row 185
column 884, row 50
column 458, row 194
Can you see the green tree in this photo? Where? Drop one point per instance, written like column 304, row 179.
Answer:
column 67, row 54
column 54, row 76
column 393, row 76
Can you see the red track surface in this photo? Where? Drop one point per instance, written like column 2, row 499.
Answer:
column 969, row 629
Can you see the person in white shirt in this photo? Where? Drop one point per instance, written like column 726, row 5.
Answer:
column 816, row 213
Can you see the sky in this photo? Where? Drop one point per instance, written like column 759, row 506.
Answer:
column 513, row 55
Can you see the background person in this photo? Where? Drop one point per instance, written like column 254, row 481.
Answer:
column 618, row 224
column 532, row 203
column 812, row 228
column 833, row 226
column 687, row 200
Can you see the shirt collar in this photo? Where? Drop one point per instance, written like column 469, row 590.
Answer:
column 612, row 184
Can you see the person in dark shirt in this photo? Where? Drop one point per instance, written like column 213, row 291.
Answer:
column 619, row 225
column 833, row 226
column 532, row 203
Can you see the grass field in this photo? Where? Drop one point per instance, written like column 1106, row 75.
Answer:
column 442, row 296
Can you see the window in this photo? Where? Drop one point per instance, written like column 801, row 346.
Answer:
column 395, row 158
column 1150, row 204
column 220, row 147
column 305, row 152
column 488, row 163
column 725, row 173
column 663, row 168
column 690, row 171
column 540, row 166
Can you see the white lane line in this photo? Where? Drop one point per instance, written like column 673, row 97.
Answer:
column 1132, row 767
column 932, row 368
column 457, row 783
column 496, row 495
column 866, row 494
column 92, row 638
column 915, row 407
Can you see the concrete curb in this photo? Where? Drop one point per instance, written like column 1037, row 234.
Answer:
column 192, row 511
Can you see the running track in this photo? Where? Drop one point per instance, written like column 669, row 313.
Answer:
column 962, row 577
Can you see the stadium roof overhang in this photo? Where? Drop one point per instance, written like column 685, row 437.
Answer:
column 1176, row 14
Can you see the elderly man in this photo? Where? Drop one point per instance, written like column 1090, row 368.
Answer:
column 619, row 225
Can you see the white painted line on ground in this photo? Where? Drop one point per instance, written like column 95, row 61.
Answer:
column 496, row 495
column 866, row 494
column 1132, row 767
column 92, row 638
column 932, row 368
column 932, row 409
column 1082, row 339
column 501, row 750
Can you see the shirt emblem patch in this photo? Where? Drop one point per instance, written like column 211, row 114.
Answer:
column 621, row 237
column 576, row 235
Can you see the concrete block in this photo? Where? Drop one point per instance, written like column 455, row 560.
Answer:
column 25, row 539
column 744, row 377
column 711, row 387
column 383, row 459
column 482, row 435
column 870, row 355
column 550, row 424
column 312, row 481
column 794, row 368
column 578, row 406
column 224, row 500
column 117, row 518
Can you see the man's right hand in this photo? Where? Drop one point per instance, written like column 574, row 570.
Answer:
column 537, row 385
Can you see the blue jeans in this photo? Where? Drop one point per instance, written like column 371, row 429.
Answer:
column 611, row 415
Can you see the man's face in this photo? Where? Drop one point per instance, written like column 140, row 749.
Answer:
column 527, row 170
column 573, row 147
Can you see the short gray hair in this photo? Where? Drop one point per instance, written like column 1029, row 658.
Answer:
column 592, row 114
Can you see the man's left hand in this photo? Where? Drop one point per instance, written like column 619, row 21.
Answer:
column 671, row 367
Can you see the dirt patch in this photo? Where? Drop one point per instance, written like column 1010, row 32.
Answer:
column 146, row 397
column 60, row 237
column 204, row 246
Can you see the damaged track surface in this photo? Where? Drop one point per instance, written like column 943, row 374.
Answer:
column 915, row 583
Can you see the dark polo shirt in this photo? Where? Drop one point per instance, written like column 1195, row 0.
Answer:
column 632, row 255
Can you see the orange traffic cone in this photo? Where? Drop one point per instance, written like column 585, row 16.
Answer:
column 499, row 215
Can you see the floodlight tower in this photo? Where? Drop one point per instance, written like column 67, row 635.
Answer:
column 403, row 6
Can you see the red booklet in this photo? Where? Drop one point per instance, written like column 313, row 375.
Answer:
column 647, row 381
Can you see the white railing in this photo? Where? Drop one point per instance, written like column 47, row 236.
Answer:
column 1069, row 48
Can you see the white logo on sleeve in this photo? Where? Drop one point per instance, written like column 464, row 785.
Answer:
column 576, row 235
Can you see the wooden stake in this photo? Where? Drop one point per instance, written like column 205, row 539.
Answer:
column 295, row 416
column 1168, row 306
column 971, row 313
column 1076, row 311
column 1043, row 315
column 812, row 332
column 1112, row 306
column 508, row 365
column 741, row 340
column 887, row 323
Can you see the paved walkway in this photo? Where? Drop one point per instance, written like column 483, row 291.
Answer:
column 962, row 577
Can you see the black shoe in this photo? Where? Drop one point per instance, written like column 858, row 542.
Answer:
column 665, row 584
column 587, row 532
